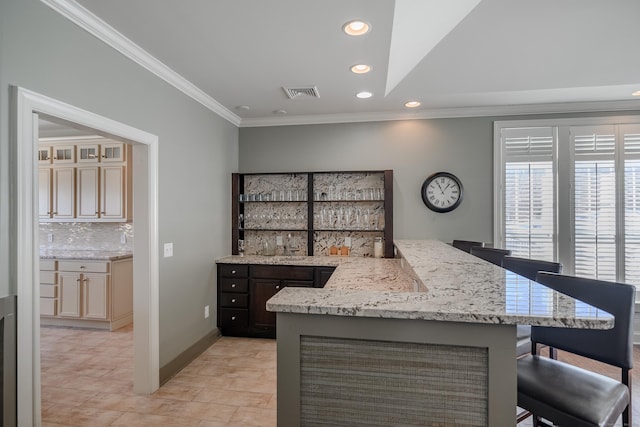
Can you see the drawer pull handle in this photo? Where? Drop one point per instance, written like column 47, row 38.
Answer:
column 82, row 266
column 233, row 272
column 233, row 285
column 233, row 317
column 233, row 300
column 277, row 286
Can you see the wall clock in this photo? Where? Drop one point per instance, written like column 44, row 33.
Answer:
column 442, row 192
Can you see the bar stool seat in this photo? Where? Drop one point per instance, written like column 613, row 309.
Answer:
column 568, row 394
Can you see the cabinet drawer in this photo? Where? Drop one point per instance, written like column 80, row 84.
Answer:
column 233, row 270
column 298, row 283
column 47, row 264
column 234, row 318
column 48, row 291
column 284, row 272
column 84, row 266
column 234, row 300
column 48, row 277
column 48, row 307
column 234, row 285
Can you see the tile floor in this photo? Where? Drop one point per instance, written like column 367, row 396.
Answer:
column 87, row 381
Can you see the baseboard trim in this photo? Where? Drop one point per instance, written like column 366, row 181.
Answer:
column 169, row 370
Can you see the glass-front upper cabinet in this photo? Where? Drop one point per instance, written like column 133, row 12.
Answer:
column 88, row 153
column 64, row 154
column 44, row 154
column 112, row 152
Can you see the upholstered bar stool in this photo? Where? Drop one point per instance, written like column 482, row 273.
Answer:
column 493, row 255
column 466, row 245
column 567, row 395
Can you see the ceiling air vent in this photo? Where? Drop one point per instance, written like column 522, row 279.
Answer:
column 295, row 92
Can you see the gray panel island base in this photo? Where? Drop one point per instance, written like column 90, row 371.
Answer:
column 440, row 352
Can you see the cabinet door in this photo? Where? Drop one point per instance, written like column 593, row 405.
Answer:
column 69, row 304
column 44, row 193
column 44, row 154
column 87, row 192
column 64, row 154
column 260, row 292
column 63, row 190
column 112, row 152
column 88, row 153
column 96, row 296
column 112, row 192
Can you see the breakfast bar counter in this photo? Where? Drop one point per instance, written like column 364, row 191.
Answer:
column 428, row 338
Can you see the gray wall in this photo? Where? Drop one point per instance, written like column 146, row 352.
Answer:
column 414, row 149
column 42, row 51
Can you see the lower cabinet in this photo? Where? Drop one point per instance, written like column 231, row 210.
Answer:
column 243, row 291
column 87, row 293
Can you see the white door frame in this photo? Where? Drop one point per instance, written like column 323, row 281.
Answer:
column 24, row 245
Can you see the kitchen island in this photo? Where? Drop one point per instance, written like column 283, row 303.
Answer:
column 435, row 347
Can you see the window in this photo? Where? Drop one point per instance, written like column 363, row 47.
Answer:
column 569, row 190
column 528, row 192
column 594, row 201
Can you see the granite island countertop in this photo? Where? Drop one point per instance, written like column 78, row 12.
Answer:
column 433, row 281
column 96, row 255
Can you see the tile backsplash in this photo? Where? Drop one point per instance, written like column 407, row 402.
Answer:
column 106, row 236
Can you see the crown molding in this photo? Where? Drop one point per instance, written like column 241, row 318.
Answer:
column 447, row 113
column 109, row 35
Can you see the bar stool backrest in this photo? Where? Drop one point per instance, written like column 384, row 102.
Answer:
column 529, row 267
column 612, row 346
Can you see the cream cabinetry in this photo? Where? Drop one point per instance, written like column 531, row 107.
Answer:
column 87, row 181
column 63, row 193
column 48, row 288
column 88, row 293
column 44, row 194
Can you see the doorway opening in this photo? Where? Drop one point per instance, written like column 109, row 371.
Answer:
column 29, row 106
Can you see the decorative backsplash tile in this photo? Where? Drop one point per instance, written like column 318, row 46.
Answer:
column 255, row 242
column 106, row 236
column 348, row 186
column 275, row 187
column 352, row 216
column 361, row 242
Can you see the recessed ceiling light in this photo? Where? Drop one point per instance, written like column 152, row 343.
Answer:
column 364, row 95
column 243, row 107
column 356, row 28
column 636, row 93
column 360, row 68
column 412, row 104
column 280, row 112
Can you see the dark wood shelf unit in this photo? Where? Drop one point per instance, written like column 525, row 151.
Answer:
column 237, row 208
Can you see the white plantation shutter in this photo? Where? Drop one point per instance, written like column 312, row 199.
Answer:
column 594, row 206
column 528, row 192
column 631, row 143
column 569, row 190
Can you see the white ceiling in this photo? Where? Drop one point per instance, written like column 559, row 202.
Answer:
column 458, row 57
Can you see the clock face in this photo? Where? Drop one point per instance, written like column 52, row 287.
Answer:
column 442, row 192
